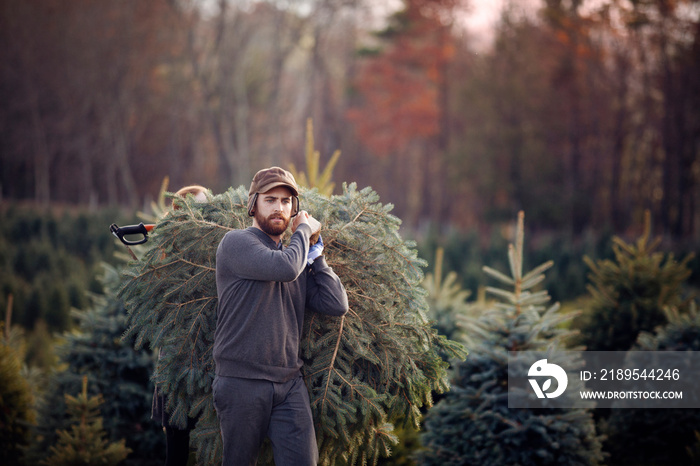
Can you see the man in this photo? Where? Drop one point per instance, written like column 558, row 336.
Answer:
column 263, row 289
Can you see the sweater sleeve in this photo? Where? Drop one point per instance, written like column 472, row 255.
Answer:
column 325, row 292
column 247, row 257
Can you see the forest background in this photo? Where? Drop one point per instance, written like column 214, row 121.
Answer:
column 582, row 114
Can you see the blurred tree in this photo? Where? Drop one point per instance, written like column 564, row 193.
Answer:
column 446, row 299
column 472, row 424
column 583, row 114
column 580, row 102
column 629, row 293
column 48, row 261
column 314, row 177
column 402, row 110
column 506, row 109
column 672, row 34
column 78, row 97
column 583, row 123
column 117, row 372
column 17, row 413
column 657, row 436
column 85, row 442
column 531, row 123
column 654, row 46
column 331, row 36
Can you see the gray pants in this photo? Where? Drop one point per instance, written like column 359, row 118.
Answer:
column 250, row 410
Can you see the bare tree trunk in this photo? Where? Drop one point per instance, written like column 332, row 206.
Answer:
column 281, row 48
column 415, row 188
column 121, row 152
column 438, row 181
column 208, row 86
column 86, row 182
column 110, row 163
column 42, row 157
column 241, row 126
column 670, row 177
column 574, row 154
column 619, row 134
column 316, row 76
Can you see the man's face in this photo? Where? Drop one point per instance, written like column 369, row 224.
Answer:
column 273, row 210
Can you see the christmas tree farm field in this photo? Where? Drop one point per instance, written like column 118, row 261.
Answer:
column 366, row 372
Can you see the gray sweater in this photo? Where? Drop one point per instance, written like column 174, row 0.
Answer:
column 263, row 290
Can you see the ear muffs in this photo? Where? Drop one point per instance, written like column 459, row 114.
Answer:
column 251, row 205
column 254, row 199
column 295, row 206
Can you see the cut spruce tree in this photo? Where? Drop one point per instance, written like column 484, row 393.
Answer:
column 472, row 424
column 366, row 372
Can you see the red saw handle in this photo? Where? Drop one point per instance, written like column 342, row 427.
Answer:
column 139, row 229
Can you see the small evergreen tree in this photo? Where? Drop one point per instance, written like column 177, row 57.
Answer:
column 16, row 406
column 374, row 367
column 628, row 294
column 657, row 436
column 446, row 299
column 85, row 443
column 119, row 373
column 314, row 177
column 472, row 424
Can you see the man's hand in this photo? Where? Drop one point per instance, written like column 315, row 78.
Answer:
column 304, row 217
column 301, row 217
column 315, row 251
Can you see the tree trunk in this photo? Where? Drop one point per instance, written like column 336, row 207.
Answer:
column 42, row 158
column 619, row 134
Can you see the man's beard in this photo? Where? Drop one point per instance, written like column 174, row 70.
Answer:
column 268, row 227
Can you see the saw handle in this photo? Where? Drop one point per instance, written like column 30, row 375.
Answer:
column 139, row 229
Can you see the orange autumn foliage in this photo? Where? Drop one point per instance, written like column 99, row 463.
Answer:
column 399, row 88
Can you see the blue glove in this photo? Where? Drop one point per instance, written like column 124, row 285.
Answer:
column 315, row 251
